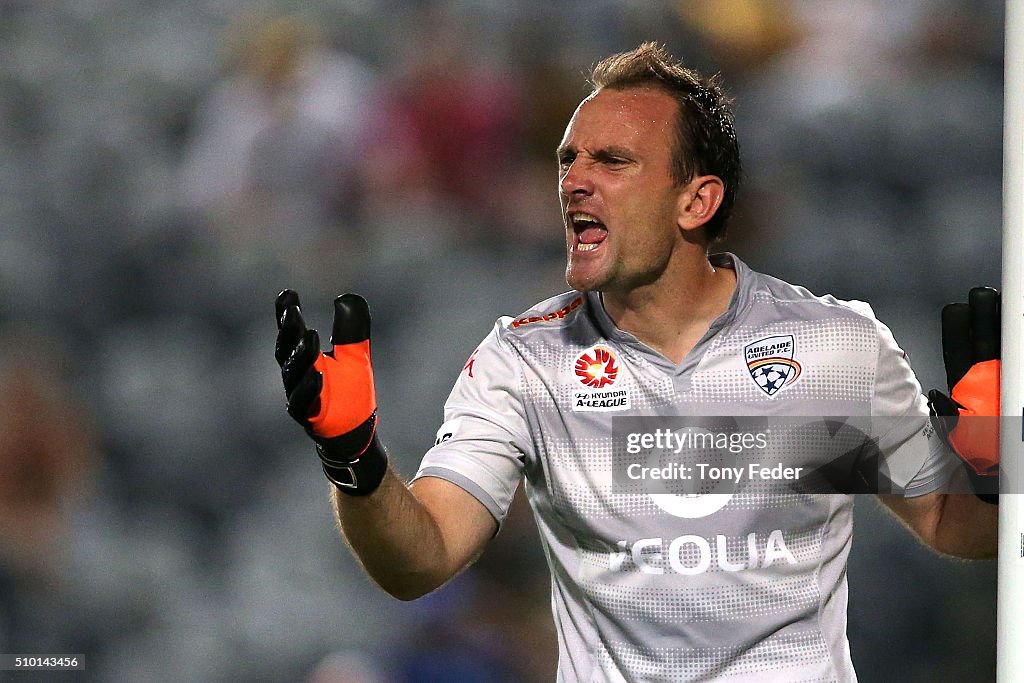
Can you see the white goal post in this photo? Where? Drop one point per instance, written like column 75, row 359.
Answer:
column 1010, row 620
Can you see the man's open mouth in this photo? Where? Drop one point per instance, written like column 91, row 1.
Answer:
column 590, row 231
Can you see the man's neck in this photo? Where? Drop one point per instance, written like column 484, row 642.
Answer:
column 673, row 313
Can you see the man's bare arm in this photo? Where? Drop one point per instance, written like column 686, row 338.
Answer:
column 410, row 539
column 962, row 524
column 957, row 524
column 413, row 539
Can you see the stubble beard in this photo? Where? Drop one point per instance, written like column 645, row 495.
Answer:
column 584, row 282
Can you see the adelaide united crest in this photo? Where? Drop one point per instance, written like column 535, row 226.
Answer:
column 771, row 364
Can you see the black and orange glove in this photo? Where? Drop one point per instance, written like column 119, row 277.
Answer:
column 331, row 393
column 967, row 419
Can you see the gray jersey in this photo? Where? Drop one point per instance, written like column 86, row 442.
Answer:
column 743, row 585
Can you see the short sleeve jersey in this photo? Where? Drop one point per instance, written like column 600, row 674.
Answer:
column 745, row 586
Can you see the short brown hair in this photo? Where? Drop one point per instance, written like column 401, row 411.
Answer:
column 705, row 135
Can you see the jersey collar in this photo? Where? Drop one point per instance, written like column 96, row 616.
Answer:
column 738, row 302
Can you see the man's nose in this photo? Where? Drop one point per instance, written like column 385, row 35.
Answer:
column 575, row 180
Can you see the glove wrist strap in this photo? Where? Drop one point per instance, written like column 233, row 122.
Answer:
column 986, row 487
column 355, row 462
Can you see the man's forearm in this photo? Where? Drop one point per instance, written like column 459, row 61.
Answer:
column 395, row 538
column 957, row 524
column 967, row 527
column 410, row 539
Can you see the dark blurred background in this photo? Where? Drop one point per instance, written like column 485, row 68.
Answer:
column 166, row 167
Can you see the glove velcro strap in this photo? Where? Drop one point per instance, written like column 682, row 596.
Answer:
column 986, row 486
column 362, row 476
column 355, row 462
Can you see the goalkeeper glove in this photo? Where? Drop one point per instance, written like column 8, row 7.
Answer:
column 331, row 393
column 970, row 351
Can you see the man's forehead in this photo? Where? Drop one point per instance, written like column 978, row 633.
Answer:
column 627, row 110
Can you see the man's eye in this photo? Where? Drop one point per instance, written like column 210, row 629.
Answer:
column 566, row 160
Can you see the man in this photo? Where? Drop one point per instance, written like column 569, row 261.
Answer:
column 646, row 585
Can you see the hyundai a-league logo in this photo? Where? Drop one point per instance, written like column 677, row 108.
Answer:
column 771, row 364
column 597, row 368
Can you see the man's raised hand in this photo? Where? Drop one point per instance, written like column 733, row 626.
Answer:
column 970, row 351
column 331, row 394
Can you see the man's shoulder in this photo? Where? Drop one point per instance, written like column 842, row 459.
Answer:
column 774, row 291
column 551, row 314
column 542, row 324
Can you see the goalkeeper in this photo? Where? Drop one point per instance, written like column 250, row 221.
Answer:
column 741, row 585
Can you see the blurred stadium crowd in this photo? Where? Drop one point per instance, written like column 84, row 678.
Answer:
column 166, row 167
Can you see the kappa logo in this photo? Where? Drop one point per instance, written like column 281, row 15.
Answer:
column 597, row 368
column 554, row 315
column 771, row 364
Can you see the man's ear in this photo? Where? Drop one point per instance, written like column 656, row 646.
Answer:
column 699, row 201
